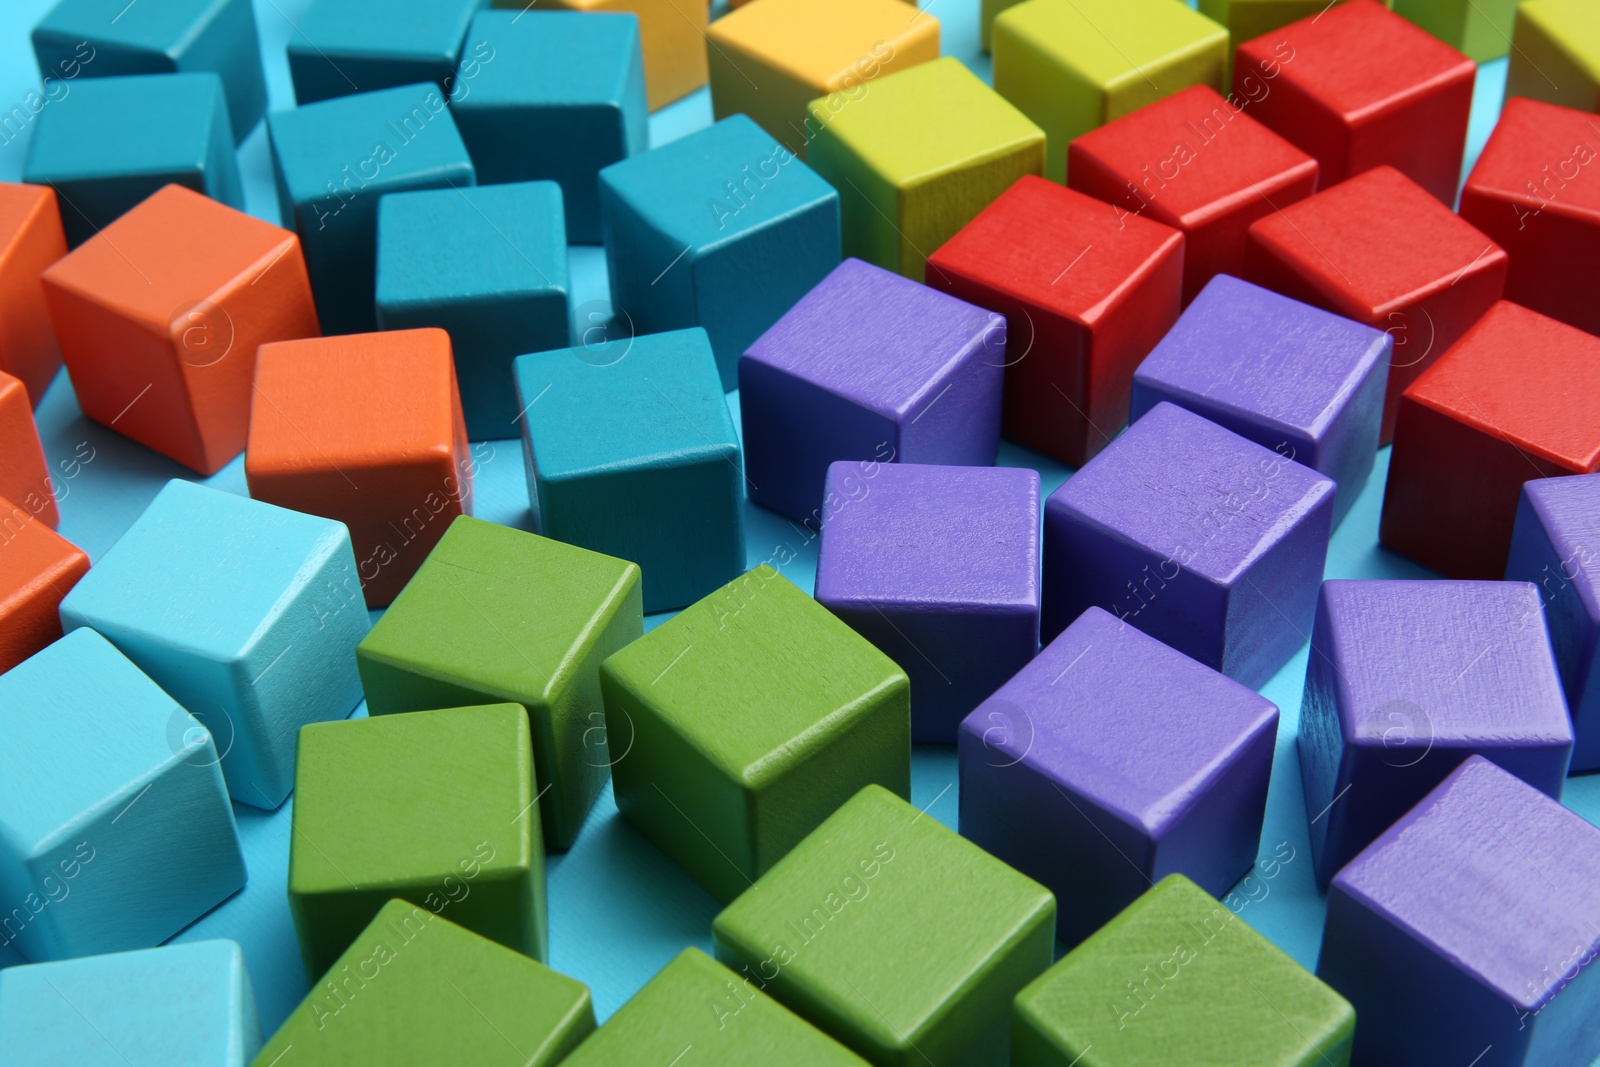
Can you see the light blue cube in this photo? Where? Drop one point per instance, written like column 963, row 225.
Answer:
column 341, row 47
column 489, row 265
column 630, row 451
column 111, row 142
column 247, row 613
column 553, row 94
column 334, row 159
column 177, row 1006
column 724, row 229
column 105, row 38
column 115, row 826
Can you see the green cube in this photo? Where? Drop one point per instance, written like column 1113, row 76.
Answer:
column 1177, row 970
column 1480, row 28
column 904, row 941
column 500, row 614
column 416, row 990
column 1248, row 19
column 749, row 717
column 1555, row 53
column 697, row 1007
column 436, row 807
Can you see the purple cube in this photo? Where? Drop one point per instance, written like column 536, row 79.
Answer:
column 1198, row 537
column 1112, row 761
column 1467, row 933
column 868, row 366
column 1406, row 680
column 1556, row 546
column 1301, row 381
column 938, row 567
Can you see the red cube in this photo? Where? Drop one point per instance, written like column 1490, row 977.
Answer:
column 1517, row 398
column 1380, row 250
column 1536, row 192
column 1196, row 162
column 1357, row 86
column 1087, row 290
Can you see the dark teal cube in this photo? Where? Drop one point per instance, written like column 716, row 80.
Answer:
column 353, row 46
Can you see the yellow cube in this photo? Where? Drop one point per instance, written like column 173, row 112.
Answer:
column 672, row 32
column 1555, row 53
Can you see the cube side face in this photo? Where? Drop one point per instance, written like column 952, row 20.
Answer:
column 932, row 211
column 1424, row 140
column 31, row 240
column 38, row 569
column 1280, row 586
column 26, row 479
column 964, row 430
column 1324, row 770
column 1550, row 44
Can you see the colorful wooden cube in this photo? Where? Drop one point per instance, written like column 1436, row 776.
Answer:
column 37, row 568
column 416, row 989
column 1305, row 383
column 1359, row 87
column 31, row 239
column 562, row 97
column 1171, row 162
column 1468, row 926
column 335, row 159
column 112, row 142
column 894, row 935
column 1482, row 421
column 1555, row 53
column 1480, row 28
column 1196, row 536
column 939, row 568
column 109, row 792
column 1177, row 970
column 728, row 794
column 24, row 470
column 1086, row 289
column 160, row 316
column 365, row 429
column 673, row 35
column 247, row 613
column 461, row 632
column 341, row 47
column 769, row 62
column 722, row 229
column 182, row 1005
column 1246, row 19
column 1072, row 67
column 1112, row 761
column 96, row 38
column 1380, row 250
column 917, row 157
column 435, row 807
column 631, row 451
column 867, row 366
column 490, row 266
column 1407, row 679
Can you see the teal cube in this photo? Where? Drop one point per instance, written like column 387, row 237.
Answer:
column 723, row 229
column 341, row 47
column 630, row 451
column 553, row 95
column 111, row 142
column 487, row 264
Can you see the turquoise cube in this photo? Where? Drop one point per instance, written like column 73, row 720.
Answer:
column 341, row 47
column 630, row 451
column 111, row 142
column 487, row 264
column 180, row 1006
column 334, row 159
column 115, row 826
column 247, row 613
column 723, row 229
column 556, row 95
column 106, row 38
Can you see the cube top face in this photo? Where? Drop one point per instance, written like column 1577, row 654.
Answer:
column 409, row 29
column 1110, row 42
column 819, row 43
column 1564, row 138
column 653, row 401
column 162, row 29
column 1569, row 513
column 929, row 538
column 1143, row 487
column 758, row 642
column 1485, row 381
column 1099, row 688
column 1177, row 928
column 1082, row 260
column 151, row 123
column 878, row 339
column 1503, row 841
column 559, row 58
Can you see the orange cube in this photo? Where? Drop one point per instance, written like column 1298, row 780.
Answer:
column 37, row 568
column 160, row 314
column 367, row 429
column 30, row 240
column 24, row 473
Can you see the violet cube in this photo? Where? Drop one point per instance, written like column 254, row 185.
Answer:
column 1301, row 381
column 1111, row 761
column 1556, row 546
column 1467, row 932
column 1198, row 537
column 1406, row 680
column 939, row 568
column 868, row 366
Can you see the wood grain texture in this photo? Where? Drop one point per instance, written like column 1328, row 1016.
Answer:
column 37, row 568
column 31, row 239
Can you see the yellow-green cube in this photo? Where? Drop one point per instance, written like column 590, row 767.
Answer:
column 1480, row 28
column 1249, row 19
column 1555, row 53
